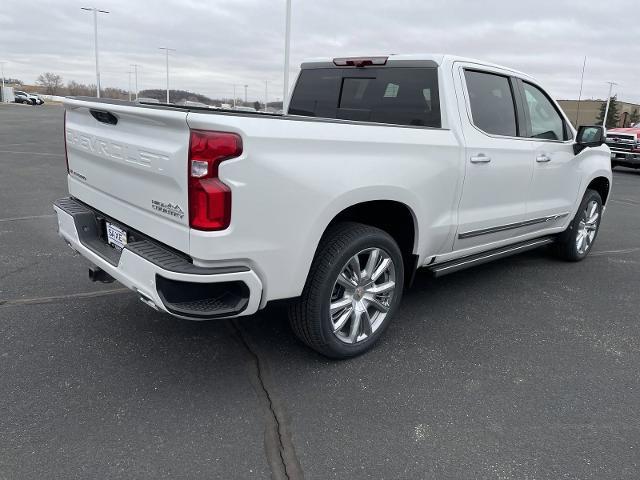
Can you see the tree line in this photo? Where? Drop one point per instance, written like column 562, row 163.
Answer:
column 53, row 84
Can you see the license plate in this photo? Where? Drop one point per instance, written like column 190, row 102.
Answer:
column 116, row 236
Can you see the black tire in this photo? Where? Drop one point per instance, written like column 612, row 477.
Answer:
column 309, row 314
column 567, row 242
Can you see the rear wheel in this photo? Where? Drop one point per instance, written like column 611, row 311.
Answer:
column 575, row 243
column 353, row 290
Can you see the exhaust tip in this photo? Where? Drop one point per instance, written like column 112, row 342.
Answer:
column 147, row 301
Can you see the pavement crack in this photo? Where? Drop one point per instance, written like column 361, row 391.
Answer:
column 279, row 448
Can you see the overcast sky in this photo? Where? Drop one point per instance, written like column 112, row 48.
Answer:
column 224, row 42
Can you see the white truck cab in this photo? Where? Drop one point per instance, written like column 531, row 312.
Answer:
column 382, row 165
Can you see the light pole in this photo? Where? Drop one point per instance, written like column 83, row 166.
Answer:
column 606, row 111
column 245, row 94
column 584, row 64
column 287, row 47
column 2, row 73
column 266, row 95
column 234, row 96
column 129, row 85
column 135, row 71
column 95, row 35
column 166, row 49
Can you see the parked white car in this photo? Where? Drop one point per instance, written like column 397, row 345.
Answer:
column 382, row 165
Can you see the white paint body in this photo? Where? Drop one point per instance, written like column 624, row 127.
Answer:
column 296, row 174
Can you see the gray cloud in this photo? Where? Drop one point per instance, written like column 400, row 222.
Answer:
column 224, row 42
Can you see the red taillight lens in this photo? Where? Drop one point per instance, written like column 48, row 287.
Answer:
column 64, row 132
column 209, row 198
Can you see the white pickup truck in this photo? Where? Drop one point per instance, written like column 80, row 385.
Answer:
column 381, row 165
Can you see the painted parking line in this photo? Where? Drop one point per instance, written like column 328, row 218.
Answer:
column 34, row 153
column 39, row 300
column 31, row 217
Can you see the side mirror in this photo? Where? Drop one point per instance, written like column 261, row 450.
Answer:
column 589, row 136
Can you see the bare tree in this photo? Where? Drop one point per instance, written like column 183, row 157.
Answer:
column 74, row 88
column 51, row 82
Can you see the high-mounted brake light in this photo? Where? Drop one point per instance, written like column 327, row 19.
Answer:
column 360, row 61
column 209, row 198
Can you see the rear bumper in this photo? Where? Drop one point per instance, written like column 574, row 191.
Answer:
column 164, row 279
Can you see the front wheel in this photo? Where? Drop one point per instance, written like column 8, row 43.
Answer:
column 575, row 243
column 352, row 291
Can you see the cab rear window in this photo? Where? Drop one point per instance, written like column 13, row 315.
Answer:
column 394, row 95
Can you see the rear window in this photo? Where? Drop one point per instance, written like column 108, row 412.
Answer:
column 400, row 96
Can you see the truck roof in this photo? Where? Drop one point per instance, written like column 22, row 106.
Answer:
column 437, row 58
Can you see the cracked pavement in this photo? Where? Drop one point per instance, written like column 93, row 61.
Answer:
column 524, row 368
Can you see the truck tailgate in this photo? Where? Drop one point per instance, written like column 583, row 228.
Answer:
column 130, row 162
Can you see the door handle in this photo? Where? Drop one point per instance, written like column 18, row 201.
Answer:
column 543, row 158
column 480, row 158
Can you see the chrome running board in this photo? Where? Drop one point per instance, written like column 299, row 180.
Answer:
column 452, row 266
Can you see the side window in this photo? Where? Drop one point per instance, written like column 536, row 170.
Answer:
column 492, row 105
column 546, row 122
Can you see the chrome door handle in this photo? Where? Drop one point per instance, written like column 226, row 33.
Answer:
column 543, row 158
column 480, row 158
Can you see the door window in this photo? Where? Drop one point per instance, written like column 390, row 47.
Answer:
column 492, row 103
column 546, row 122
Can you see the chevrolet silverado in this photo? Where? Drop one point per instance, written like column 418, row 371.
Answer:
column 381, row 165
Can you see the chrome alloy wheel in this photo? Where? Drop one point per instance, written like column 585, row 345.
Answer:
column 362, row 295
column 587, row 227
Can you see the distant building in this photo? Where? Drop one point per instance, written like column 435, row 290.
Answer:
column 590, row 110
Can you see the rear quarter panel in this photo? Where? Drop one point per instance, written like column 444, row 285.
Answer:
column 295, row 176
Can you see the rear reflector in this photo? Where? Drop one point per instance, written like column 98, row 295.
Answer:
column 209, row 198
column 359, row 61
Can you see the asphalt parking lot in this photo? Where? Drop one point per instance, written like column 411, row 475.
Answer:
column 527, row 368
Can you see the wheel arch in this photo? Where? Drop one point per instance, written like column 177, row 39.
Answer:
column 393, row 216
column 602, row 185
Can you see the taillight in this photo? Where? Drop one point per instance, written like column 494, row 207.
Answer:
column 64, row 131
column 209, row 198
